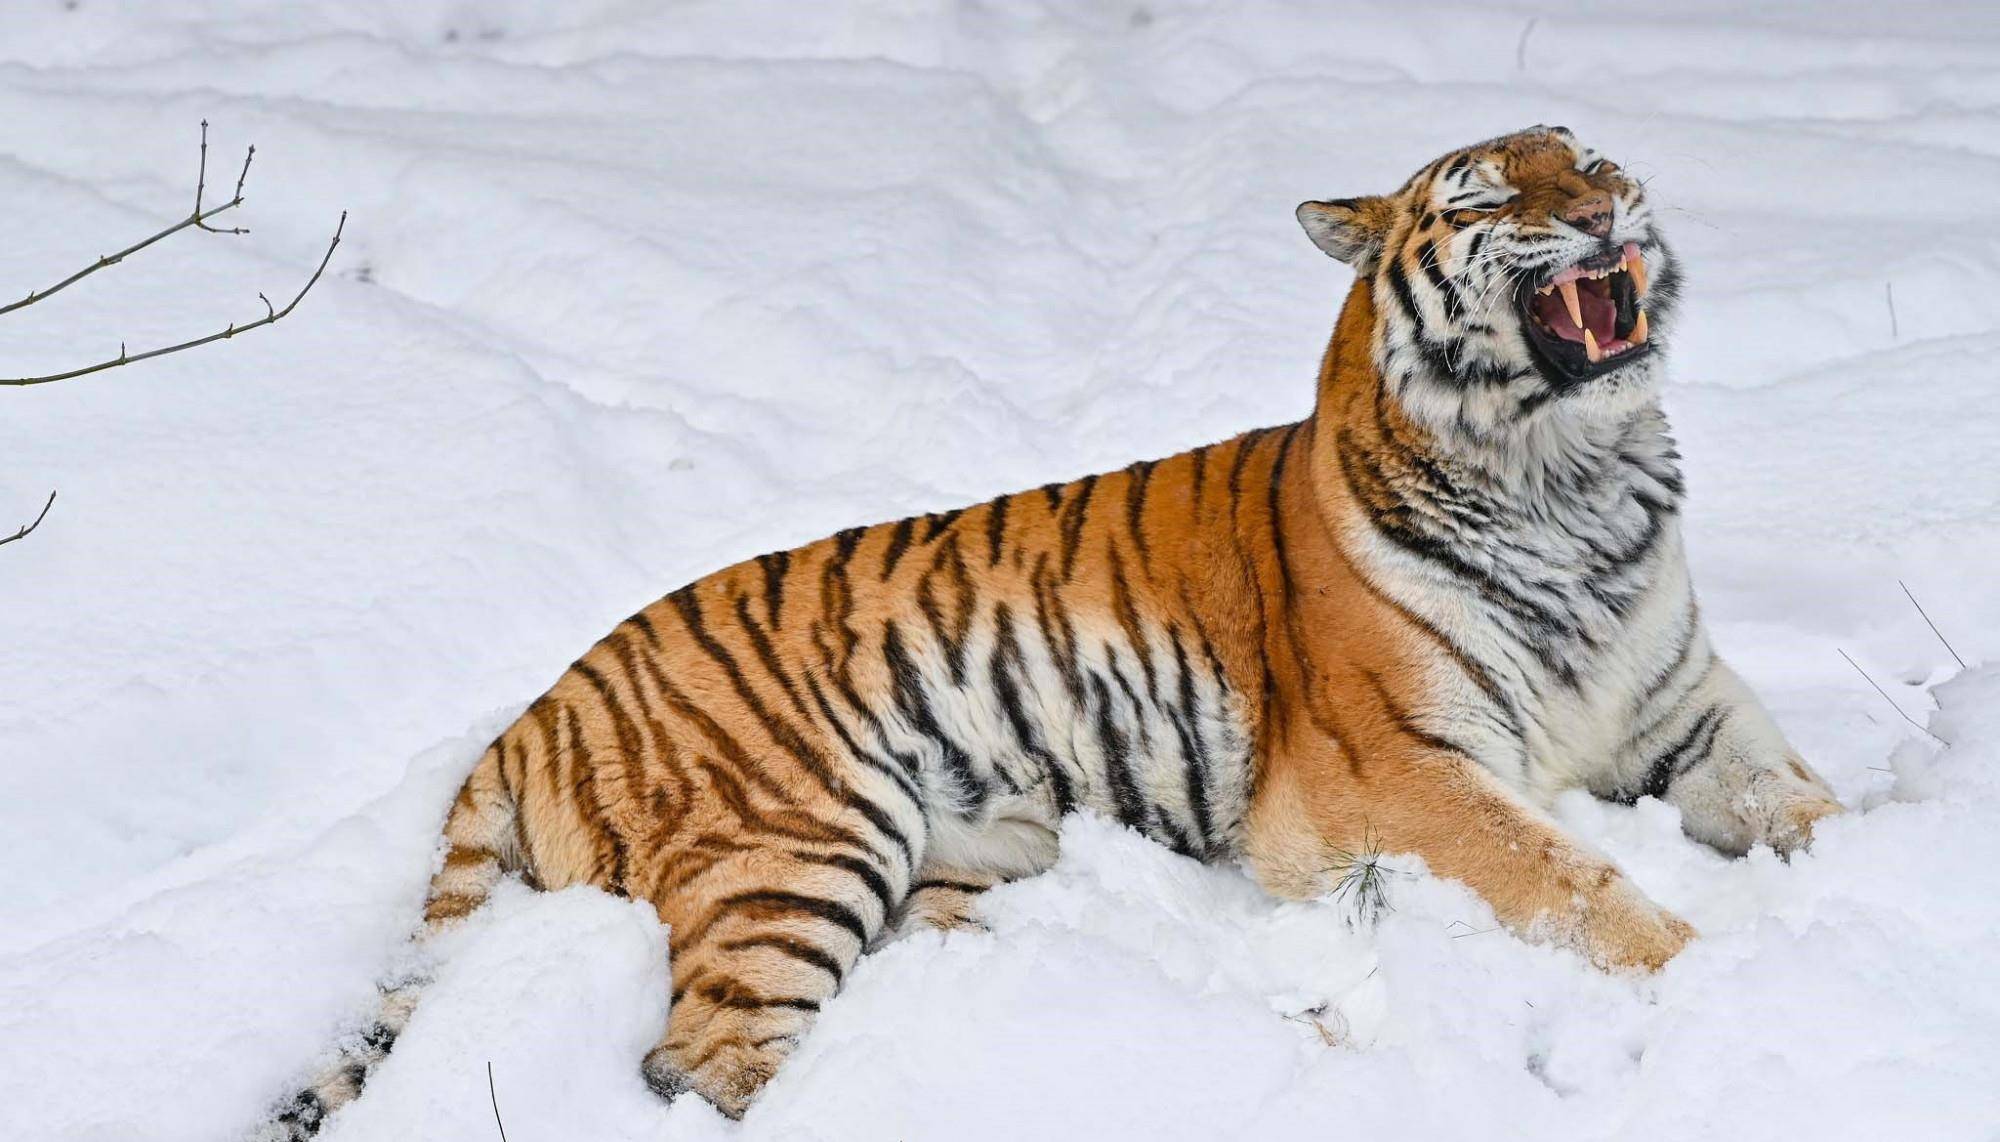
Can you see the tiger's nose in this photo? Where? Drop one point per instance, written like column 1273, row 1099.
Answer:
column 1590, row 214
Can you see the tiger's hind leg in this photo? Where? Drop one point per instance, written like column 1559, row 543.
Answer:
column 961, row 866
column 945, row 899
column 760, row 940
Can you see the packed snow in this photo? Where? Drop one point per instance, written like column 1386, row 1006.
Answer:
column 631, row 290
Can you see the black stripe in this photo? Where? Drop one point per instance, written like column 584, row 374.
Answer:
column 1245, row 445
column 1001, row 667
column 1127, row 614
column 1407, row 722
column 935, row 523
column 996, row 528
column 1678, row 757
column 861, row 870
column 899, row 542
column 952, row 635
column 965, row 886
column 767, row 655
column 1399, row 282
column 1136, row 485
column 774, row 900
column 1058, row 633
column 1117, row 762
column 1427, row 260
column 797, row 949
column 775, row 566
column 1271, row 508
column 913, row 702
column 1194, row 750
column 1074, row 513
column 748, row 1002
column 591, row 801
column 844, row 543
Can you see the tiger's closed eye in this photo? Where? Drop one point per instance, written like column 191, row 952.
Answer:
column 1601, row 166
column 1461, row 218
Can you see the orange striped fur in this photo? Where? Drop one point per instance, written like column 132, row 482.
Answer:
column 1276, row 648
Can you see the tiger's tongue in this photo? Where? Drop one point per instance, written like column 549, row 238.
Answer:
column 1600, row 315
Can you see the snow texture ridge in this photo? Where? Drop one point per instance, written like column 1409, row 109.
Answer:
column 630, row 291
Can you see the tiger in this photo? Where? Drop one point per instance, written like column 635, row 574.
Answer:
column 1453, row 591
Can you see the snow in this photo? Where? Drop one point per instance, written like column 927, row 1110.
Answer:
column 633, row 290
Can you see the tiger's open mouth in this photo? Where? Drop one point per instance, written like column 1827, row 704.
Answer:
column 1590, row 318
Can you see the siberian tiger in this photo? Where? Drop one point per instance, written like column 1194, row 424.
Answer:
column 1454, row 590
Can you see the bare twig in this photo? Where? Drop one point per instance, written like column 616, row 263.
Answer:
column 496, row 1101
column 1927, row 620
column 1892, row 702
column 1889, row 291
column 198, row 218
column 1521, row 45
column 201, row 184
column 271, row 317
column 23, row 533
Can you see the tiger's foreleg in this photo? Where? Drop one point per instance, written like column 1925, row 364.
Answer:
column 1318, row 803
column 1719, row 758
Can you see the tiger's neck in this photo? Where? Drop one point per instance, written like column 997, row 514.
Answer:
column 1572, row 524
column 1555, row 467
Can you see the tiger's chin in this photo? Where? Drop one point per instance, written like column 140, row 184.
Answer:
column 1586, row 327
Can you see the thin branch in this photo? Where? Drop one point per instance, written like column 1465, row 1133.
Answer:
column 23, row 533
column 496, row 1101
column 1932, row 625
column 199, row 218
column 201, row 182
column 1521, row 45
column 1892, row 702
column 271, row 317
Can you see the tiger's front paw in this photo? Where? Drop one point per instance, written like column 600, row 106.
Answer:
column 1785, row 807
column 1791, row 827
column 1624, row 931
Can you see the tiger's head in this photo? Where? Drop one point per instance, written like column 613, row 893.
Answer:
column 1512, row 279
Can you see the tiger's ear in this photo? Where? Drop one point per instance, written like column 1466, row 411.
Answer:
column 1350, row 229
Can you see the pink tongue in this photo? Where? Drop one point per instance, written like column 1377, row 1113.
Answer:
column 1599, row 314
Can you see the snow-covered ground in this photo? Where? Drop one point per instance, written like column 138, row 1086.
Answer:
column 631, row 290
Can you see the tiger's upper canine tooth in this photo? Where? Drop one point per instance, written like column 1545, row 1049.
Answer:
column 1590, row 348
column 1636, row 266
column 1638, row 336
column 1569, row 302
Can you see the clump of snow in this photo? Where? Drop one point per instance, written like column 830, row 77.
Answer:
column 631, row 291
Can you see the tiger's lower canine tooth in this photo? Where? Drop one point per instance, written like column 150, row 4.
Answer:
column 1569, row 302
column 1590, row 348
column 1638, row 336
